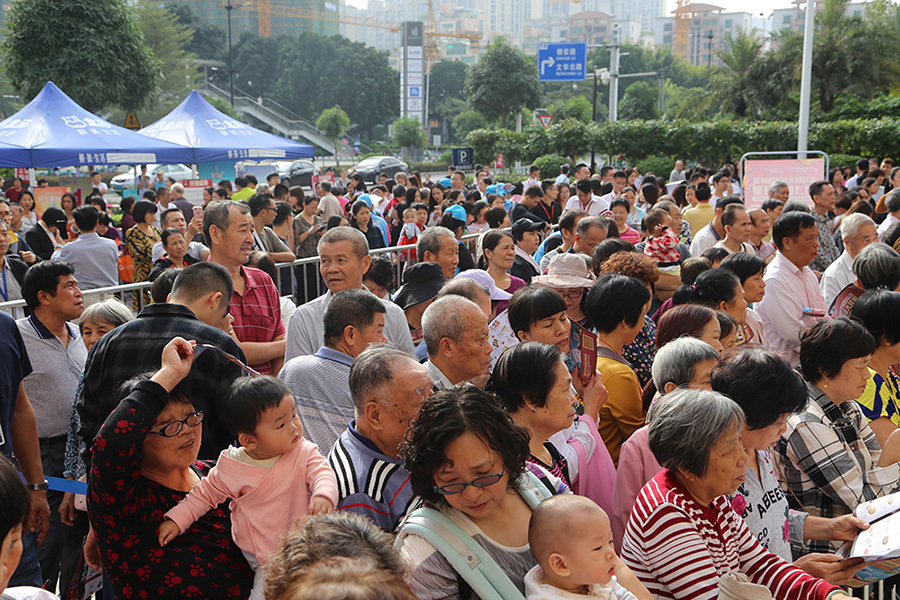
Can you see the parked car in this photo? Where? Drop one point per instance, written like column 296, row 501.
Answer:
column 128, row 180
column 370, row 168
column 299, row 173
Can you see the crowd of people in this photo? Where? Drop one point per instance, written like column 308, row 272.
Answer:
column 624, row 386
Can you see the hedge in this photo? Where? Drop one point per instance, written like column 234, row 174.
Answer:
column 710, row 143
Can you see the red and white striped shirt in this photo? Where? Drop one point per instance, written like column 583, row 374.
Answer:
column 679, row 548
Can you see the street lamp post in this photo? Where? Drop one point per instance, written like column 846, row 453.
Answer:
column 228, row 9
column 594, row 117
column 709, row 38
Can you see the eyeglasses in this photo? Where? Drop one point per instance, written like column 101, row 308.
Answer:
column 174, row 428
column 572, row 293
column 479, row 482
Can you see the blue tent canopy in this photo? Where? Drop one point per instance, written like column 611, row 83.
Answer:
column 215, row 136
column 52, row 130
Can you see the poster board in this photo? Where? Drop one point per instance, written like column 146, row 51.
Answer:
column 798, row 173
column 46, row 197
column 193, row 189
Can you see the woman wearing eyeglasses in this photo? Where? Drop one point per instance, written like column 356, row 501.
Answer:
column 145, row 462
column 467, row 462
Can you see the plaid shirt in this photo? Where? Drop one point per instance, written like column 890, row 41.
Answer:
column 829, row 458
column 257, row 314
column 135, row 348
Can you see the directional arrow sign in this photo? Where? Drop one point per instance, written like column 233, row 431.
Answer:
column 562, row 62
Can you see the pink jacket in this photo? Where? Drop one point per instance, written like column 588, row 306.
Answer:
column 264, row 502
column 637, row 466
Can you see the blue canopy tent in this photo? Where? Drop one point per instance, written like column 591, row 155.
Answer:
column 215, row 136
column 52, row 130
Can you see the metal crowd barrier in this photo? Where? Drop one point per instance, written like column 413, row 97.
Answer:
column 301, row 284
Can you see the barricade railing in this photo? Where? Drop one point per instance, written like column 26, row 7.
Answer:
column 302, row 281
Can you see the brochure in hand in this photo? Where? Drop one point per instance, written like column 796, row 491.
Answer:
column 879, row 545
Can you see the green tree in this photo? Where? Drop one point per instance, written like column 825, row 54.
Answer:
column 209, row 41
column 167, row 39
column 257, row 63
column 735, row 85
column 640, row 101
column 334, row 122
column 467, row 122
column 447, row 80
column 407, row 132
column 576, row 107
column 92, row 49
column 502, row 82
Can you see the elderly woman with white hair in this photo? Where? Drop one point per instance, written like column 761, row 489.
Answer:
column 684, row 540
column 684, row 362
column 857, row 232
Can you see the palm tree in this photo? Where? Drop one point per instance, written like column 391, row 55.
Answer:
column 734, row 84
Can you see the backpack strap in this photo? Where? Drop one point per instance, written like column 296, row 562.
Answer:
column 535, row 488
column 467, row 558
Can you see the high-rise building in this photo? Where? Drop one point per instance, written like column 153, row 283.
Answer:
column 709, row 30
column 247, row 18
column 793, row 18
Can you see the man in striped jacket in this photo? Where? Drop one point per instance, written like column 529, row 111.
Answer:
column 387, row 387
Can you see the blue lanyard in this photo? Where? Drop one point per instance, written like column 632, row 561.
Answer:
column 5, row 291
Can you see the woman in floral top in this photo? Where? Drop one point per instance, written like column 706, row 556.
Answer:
column 139, row 241
column 144, row 464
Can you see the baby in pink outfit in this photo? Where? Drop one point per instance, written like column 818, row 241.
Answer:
column 274, row 476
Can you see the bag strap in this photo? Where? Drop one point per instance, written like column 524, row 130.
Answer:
column 466, row 557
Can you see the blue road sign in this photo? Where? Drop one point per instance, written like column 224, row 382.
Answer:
column 562, row 62
column 463, row 159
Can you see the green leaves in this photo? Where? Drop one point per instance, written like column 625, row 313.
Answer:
column 407, row 132
column 502, row 82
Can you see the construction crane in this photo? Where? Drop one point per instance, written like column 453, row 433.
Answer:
column 683, row 16
column 265, row 9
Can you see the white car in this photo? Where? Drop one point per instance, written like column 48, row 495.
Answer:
column 127, row 180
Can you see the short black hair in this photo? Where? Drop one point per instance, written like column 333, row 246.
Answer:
column 445, row 417
column 709, row 289
column 614, row 299
column 381, row 271
column 251, row 179
column 879, row 311
column 350, row 307
column 271, row 175
column 93, row 199
column 280, row 191
column 167, row 233
column 729, row 215
column 86, row 218
column 240, row 182
column 789, row 225
column 828, row 345
column 620, row 202
column 141, row 208
column 43, row 276
column 702, row 191
column 584, row 186
column 770, row 204
column 249, row 398
column 815, row 188
column 569, row 219
column 259, row 202
column 494, row 216
column 743, row 264
column 203, row 278
column 714, row 255
column 162, row 285
column 525, row 373
column 532, row 304
column 164, row 217
column 607, row 248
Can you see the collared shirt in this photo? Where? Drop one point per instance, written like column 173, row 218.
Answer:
column 52, row 384
column 836, row 277
column 320, row 383
column 829, row 458
column 330, row 207
column 764, row 250
column 135, row 347
column 704, row 239
column 788, row 290
column 94, row 258
column 438, row 378
column 14, row 368
column 257, row 312
column 370, row 483
column 746, row 247
column 828, row 251
column 886, row 224
column 596, row 206
column 307, row 328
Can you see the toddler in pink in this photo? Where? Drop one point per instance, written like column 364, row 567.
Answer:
column 274, row 476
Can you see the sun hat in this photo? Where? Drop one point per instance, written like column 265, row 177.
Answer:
column 485, row 279
column 421, row 282
column 566, row 270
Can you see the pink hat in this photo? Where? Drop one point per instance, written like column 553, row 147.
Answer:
column 566, row 270
column 485, row 279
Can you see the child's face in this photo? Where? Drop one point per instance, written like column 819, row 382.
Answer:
column 409, row 216
column 10, row 553
column 279, row 429
column 591, row 557
column 422, row 216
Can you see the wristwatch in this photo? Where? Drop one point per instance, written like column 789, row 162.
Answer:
column 38, row 487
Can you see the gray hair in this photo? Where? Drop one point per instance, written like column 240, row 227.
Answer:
column 109, row 311
column 593, row 221
column 892, row 200
column 877, row 265
column 372, row 370
column 178, row 188
column 775, row 186
column 216, row 213
column 685, row 424
column 676, row 362
column 444, row 318
column 356, row 238
column 430, row 240
column 851, row 224
column 465, row 287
